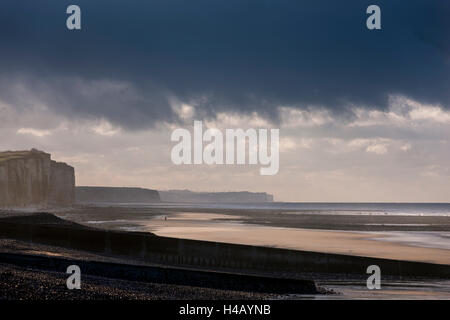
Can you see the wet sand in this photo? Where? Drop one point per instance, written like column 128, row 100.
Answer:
column 199, row 227
column 371, row 236
column 275, row 218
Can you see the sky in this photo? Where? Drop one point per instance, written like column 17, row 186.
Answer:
column 364, row 115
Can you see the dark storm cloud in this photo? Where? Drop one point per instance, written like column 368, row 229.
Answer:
column 238, row 55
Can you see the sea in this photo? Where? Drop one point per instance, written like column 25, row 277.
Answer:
column 401, row 209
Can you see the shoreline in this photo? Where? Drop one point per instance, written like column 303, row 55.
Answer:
column 376, row 236
column 276, row 218
column 47, row 235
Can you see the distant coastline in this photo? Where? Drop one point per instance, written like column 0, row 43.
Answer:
column 93, row 195
column 215, row 197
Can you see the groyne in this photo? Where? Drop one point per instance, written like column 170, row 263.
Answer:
column 166, row 275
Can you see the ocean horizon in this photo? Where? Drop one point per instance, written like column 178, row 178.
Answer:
column 337, row 208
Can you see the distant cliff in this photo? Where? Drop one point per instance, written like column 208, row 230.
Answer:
column 32, row 179
column 215, row 197
column 115, row 195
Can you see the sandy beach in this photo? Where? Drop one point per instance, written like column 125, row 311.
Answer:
column 220, row 226
column 202, row 227
column 373, row 236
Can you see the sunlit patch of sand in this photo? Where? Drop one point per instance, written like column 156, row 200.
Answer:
column 45, row 253
column 203, row 217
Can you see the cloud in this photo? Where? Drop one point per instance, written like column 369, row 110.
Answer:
column 375, row 145
column 132, row 59
column 291, row 117
column 104, row 128
column 34, row 132
column 406, row 147
column 117, row 101
column 377, row 148
column 433, row 114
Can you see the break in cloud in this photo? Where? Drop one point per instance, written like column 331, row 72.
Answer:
column 363, row 114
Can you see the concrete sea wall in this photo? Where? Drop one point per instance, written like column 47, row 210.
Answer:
column 167, row 275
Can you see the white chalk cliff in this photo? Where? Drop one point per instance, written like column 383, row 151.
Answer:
column 32, row 179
